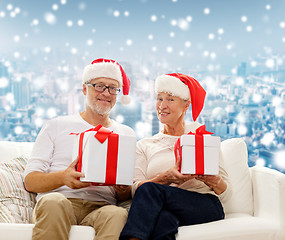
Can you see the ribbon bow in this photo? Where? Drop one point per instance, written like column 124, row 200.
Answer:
column 102, row 133
column 200, row 131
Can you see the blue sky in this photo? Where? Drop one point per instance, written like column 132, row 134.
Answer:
column 183, row 33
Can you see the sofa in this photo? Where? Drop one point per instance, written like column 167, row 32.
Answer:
column 255, row 211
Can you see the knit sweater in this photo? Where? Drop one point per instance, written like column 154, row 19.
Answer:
column 155, row 155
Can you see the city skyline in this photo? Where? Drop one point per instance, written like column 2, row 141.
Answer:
column 235, row 49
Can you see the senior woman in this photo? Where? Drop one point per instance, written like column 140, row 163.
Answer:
column 164, row 198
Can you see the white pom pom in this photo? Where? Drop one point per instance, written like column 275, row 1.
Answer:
column 125, row 99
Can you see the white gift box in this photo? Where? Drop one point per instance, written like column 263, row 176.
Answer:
column 211, row 154
column 94, row 159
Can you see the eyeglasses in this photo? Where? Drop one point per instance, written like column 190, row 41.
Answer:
column 102, row 88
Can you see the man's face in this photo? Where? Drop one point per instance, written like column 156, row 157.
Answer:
column 100, row 102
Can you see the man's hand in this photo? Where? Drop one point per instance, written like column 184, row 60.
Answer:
column 123, row 192
column 39, row 182
column 71, row 177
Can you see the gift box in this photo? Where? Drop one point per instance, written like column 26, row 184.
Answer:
column 199, row 152
column 105, row 157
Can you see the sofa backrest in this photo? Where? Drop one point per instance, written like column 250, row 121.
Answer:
column 235, row 156
column 17, row 204
column 10, row 150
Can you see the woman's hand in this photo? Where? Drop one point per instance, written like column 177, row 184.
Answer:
column 170, row 176
column 215, row 182
column 173, row 175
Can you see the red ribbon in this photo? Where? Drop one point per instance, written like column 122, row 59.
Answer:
column 199, row 149
column 112, row 152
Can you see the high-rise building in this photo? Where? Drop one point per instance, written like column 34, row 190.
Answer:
column 4, row 76
column 21, row 91
column 155, row 123
column 241, row 71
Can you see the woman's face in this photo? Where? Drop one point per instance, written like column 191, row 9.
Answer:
column 170, row 110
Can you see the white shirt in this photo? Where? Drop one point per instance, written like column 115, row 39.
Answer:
column 53, row 149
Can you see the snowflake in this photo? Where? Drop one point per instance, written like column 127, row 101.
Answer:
column 220, row 31
column 129, row 42
column 9, row 7
column 189, row 19
column 183, row 24
column 73, row 50
column 35, row 22
column 249, row 28
column 18, row 130
column 153, row 18
column 50, row 18
column 269, row 63
column 16, row 38
column 116, row 13
column 63, row 2
column 169, row 49
column 211, row 36
column 207, row 11
column 89, row 42
column 17, row 54
column 4, row 82
column 55, row 7
column 244, row 18
column 80, row 22
column 187, row 44
column 69, row 23
column 268, row 7
column 47, row 49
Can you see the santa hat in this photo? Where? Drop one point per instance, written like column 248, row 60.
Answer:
column 185, row 87
column 109, row 69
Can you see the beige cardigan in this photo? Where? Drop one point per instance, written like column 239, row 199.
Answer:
column 155, row 155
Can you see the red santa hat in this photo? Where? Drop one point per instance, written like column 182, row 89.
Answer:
column 109, row 69
column 185, row 87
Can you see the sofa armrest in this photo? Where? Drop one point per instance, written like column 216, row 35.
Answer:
column 269, row 194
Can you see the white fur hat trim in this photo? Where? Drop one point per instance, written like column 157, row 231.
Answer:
column 104, row 69
column 172, row 85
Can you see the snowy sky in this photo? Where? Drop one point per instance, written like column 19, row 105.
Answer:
column 182, row 33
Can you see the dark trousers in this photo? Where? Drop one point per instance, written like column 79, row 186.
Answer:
column 158, row 210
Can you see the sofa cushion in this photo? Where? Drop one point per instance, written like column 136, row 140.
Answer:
column 15, row 231
column 16, row 204
column 234, row 227
column 234, row 153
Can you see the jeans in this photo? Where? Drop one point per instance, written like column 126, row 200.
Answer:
column 158, row 210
